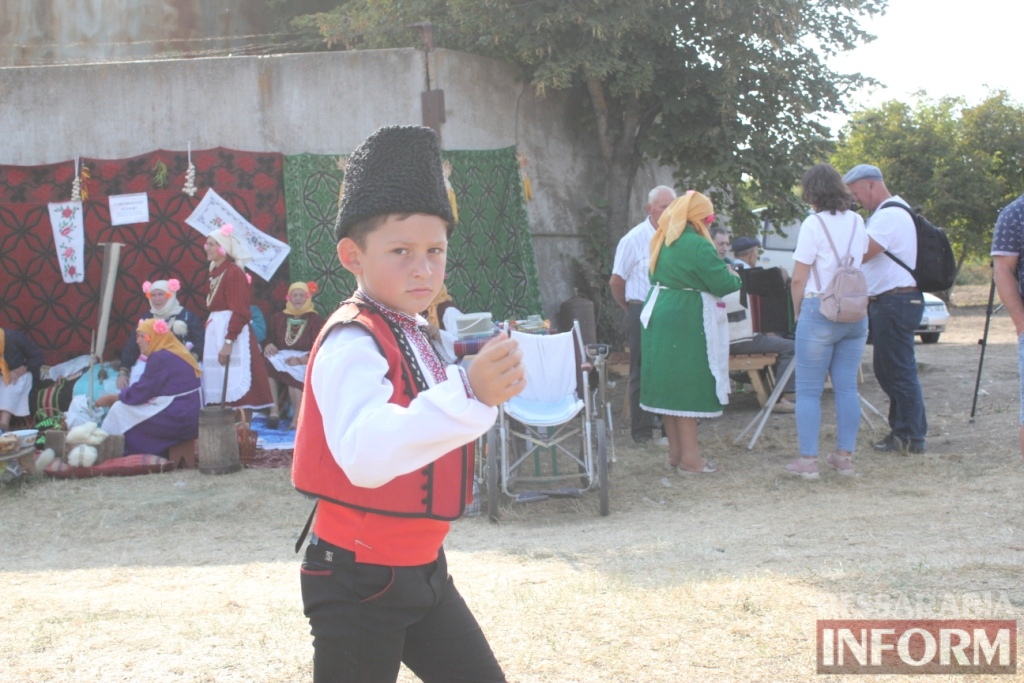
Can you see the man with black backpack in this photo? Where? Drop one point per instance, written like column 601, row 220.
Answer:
column 895, row 306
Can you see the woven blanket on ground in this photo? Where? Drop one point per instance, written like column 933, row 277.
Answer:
column 491, row 264
column 59, row 316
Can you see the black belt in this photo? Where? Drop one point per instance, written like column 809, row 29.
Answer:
column 894, row 290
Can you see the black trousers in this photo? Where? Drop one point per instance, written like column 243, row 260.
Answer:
column 640, row 421
column 366, row 619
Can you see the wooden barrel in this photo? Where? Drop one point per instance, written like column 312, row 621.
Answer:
column 218, row 442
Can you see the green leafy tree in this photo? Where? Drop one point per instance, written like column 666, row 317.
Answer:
column 732, row 92
column 959, row 164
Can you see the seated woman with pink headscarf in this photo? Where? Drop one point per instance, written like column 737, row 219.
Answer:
column 162, row 408
column 164, row 305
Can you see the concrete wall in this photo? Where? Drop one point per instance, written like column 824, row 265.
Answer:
column 35, row 32
column 324, row 103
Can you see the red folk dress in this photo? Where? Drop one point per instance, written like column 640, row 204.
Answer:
column 230, row 292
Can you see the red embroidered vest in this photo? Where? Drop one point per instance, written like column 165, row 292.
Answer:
column 438, row 491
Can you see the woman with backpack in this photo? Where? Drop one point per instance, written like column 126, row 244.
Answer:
column 830, row 304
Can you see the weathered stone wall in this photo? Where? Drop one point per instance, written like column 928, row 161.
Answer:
column 324, row 103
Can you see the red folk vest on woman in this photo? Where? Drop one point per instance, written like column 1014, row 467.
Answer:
column 438, row 491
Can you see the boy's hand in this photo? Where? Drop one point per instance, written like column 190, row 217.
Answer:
column 496, row 373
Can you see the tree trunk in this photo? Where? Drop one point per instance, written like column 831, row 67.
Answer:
column 619, row 153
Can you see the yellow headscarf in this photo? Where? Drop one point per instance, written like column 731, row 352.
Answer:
column 431, row 314
column 6, row 371
column 692, row 208
column 165, row 341
column 310, row 289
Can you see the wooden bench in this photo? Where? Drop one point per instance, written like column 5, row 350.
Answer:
column 759, row 368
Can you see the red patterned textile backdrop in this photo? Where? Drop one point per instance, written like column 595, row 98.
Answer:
column 59, row 316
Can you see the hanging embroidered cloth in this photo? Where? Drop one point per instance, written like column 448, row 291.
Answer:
column 267, row 252
column 69, row 237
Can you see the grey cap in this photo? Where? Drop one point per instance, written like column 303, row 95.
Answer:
column 742, row 244
column 862, row 172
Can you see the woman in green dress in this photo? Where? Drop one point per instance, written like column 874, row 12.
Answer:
column 685, row 338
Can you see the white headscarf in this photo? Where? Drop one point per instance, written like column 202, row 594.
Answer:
column 234, row 247
column 172, row 306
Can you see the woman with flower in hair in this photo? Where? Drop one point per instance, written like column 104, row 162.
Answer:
column 163, row 305
column 161, row 409
column 289, row 341
column 229, row 337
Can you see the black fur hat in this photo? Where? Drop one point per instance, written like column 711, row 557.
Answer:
column 396, row 170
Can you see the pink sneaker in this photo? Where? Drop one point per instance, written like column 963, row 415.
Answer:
column 842, row 463
column 805, row 468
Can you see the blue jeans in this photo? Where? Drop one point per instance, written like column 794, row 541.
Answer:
column 894, row 317
column 826, row 348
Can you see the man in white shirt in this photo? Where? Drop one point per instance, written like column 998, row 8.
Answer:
column 630, row 283
column 895, row 308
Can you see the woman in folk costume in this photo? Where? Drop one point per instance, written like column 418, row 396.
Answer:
column 163, row 305
column 685, row 335
column 228, row 334
column 161, row 409
column 440, row 316
column 289, row 340
column 20, row 360
column 441, row 312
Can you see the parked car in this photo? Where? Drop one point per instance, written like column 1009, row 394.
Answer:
column 778, row 251
column 933, row 322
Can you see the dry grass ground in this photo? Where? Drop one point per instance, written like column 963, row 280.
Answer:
column 184, row 577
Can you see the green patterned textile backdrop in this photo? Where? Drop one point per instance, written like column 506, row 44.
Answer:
column 491, row 265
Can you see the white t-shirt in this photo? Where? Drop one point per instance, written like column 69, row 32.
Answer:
column 812, row 247
column 893, row 229
column 633, row 260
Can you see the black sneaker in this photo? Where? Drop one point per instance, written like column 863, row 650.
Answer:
column 894, row 444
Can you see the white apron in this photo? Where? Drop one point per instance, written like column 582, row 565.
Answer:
column 278, row 361
column 14, row 396
column 123, row 417
column 716, row 331
column 240, row 368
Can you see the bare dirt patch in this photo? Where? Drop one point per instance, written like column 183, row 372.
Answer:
column 185, row 577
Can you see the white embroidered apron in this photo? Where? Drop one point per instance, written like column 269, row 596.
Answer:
column 240, row 368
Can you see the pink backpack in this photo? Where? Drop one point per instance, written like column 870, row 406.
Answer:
column 845, row 300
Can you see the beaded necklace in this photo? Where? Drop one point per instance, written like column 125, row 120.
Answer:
column 297, row 324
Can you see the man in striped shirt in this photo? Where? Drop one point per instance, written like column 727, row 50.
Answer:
column 630, row 283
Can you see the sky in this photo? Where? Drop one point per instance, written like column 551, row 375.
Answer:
column 959, row 48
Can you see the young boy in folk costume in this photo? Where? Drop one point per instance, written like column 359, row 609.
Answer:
column 384, row 434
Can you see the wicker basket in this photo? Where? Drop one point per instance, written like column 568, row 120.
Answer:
column 247, row 438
